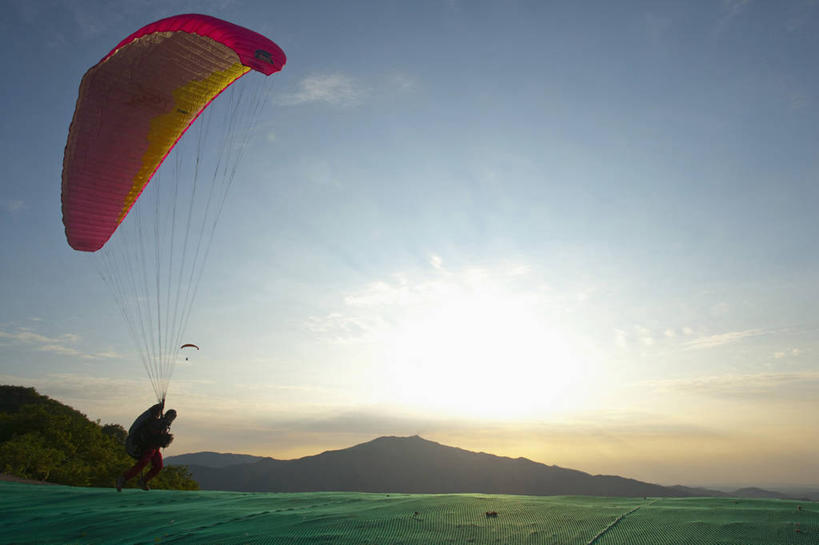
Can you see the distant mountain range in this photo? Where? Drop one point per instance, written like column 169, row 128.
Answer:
column 213, row 459
column 416, row 465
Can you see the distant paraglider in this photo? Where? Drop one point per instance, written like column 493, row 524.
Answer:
column 188, row 346
column 134, row 107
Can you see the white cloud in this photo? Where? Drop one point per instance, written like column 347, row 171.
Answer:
column 380, row 294
column 334, row 89
column 346, row 91
column 753, row 385
column 62, row 344
column 337, row 327
column 429, row 286
column 26, row 336
column 641, row 335
column 59, row 349
column 712, row 341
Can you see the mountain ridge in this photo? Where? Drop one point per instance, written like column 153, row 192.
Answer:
column 415, row 465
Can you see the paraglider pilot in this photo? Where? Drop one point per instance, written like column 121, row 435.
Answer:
column 149, row 433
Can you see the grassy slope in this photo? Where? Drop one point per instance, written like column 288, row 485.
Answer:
column 60, row 514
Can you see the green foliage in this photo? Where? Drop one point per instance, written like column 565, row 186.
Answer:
column 43, row 439
column 28, row 455
column 115, row 431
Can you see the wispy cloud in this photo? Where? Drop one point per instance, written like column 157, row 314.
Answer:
column 64, row 344
column 386, row 293
column 27, row 336
column 712, row 341
column 639, row 335
column 742, row 385
column 334, row 89
column 793, row 352
column 337, row 327
column 385, row 421
column 379, row 305
column 645, row 335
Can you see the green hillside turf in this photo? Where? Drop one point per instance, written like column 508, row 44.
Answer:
column 71, row 515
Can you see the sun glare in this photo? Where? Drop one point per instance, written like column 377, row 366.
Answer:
column 485, row 356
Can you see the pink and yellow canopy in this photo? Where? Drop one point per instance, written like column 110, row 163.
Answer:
column 136, row 103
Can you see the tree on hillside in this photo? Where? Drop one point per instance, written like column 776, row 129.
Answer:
column 116, row 432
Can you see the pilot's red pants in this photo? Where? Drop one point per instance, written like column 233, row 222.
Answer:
column 149, row 455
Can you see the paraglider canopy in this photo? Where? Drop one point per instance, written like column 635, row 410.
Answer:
column 135, row 104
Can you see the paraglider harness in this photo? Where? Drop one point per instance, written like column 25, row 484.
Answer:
column 150, row 430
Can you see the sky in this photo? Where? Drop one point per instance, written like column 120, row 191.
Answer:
column 579, row 232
